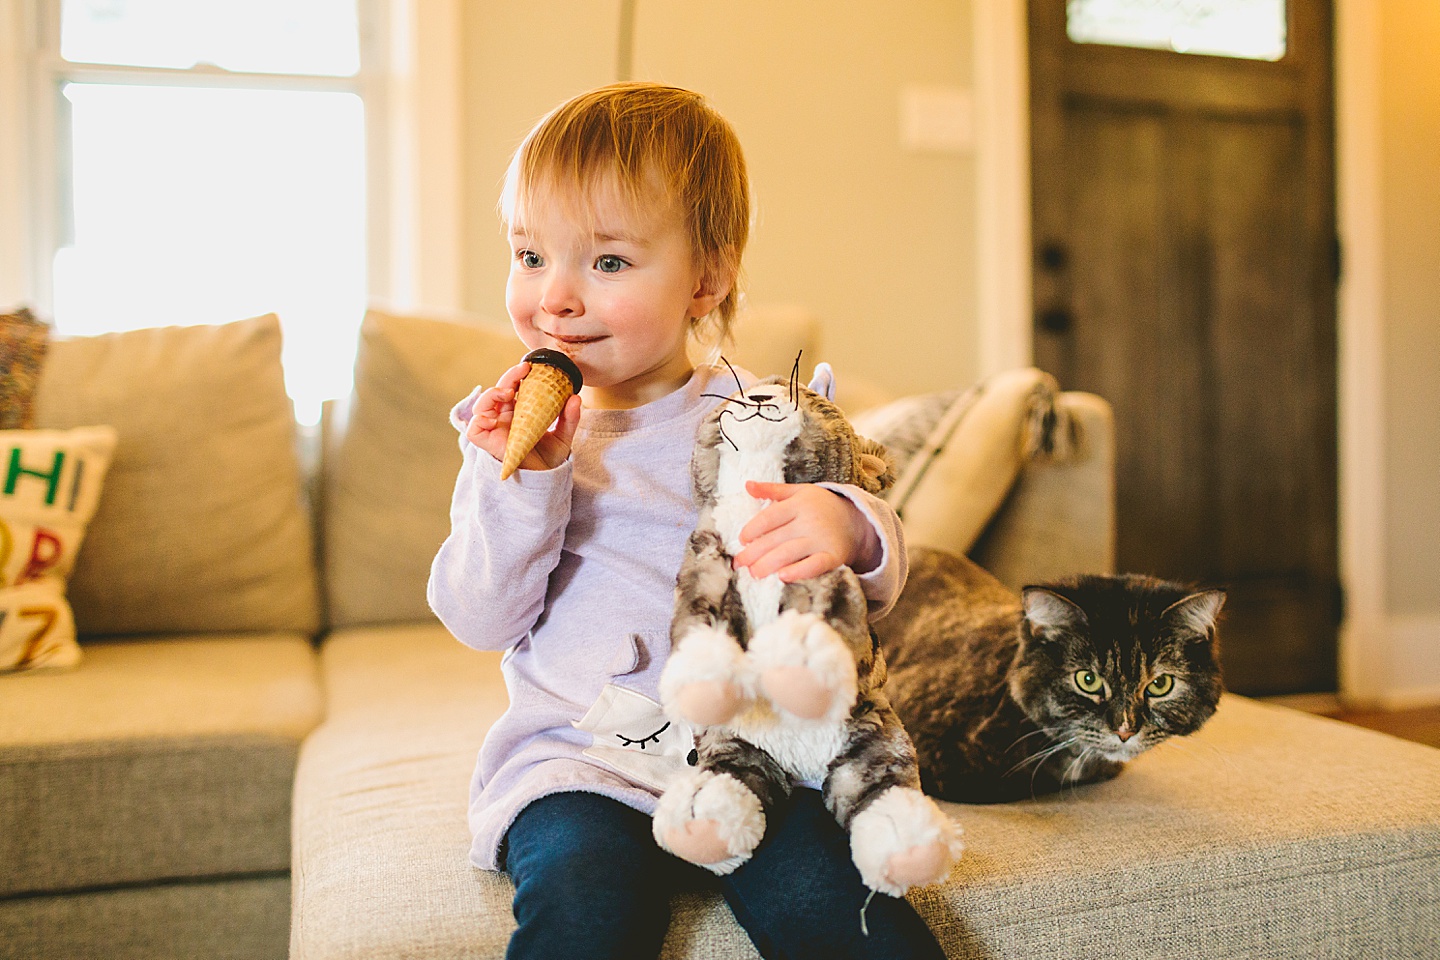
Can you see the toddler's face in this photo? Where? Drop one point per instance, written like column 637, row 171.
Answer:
column 612, row 284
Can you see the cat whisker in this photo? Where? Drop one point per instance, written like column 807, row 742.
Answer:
column 1041, row 755
column 1185, row 746
column 1071, row 777
column 1022, row 739
column 1045, row 755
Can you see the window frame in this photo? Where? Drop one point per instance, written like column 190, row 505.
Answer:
column 46, row 193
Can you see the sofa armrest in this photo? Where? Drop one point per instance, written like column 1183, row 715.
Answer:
column 1059, row 517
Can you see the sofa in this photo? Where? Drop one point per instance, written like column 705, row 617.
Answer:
column 266, row 745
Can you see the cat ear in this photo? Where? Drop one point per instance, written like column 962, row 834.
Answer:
column 823, row 382
column 1196, row 614
column 1047, row 610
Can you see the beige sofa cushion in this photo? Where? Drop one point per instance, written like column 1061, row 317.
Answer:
column 202, row 525
column 392, row 458
column 153, row 759
column 245, row 918
column 1270, row 833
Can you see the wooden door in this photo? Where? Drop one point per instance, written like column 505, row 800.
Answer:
column 1185, row 270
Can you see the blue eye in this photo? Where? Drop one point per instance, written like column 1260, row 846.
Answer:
column 530, row 259
column 609, row 263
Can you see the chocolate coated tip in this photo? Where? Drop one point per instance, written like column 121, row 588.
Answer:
column 559, row 361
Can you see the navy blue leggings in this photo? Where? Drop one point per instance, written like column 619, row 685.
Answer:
column 591, row 882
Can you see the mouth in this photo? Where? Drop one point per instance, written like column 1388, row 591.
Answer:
column 573, row 340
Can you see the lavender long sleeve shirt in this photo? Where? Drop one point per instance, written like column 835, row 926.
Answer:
column 571, row 571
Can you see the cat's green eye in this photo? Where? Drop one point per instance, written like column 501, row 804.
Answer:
column 1087, row 681
column 1160, row 686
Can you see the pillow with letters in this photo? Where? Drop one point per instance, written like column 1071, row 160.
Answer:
column 50, row 484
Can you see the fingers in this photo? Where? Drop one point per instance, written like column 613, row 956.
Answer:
column 804, row 532
column 762, row 490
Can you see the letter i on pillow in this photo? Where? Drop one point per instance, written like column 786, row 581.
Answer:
column 784, row 680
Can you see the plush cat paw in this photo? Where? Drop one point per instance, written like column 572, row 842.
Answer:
column 710, row 819
column 704, row 682
column 903, row 840
column 804, row 667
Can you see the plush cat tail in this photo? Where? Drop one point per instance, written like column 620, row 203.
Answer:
column 875, row 468
column 1047, row 612
column 1196, row 616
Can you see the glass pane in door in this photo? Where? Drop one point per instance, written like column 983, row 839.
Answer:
column 1251, row 29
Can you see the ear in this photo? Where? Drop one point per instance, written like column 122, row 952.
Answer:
column 711, row 288
column 1196, row 614
column 1047, row 610
column 823, row 382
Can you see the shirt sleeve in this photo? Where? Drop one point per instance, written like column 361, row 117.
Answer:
column 489, row 579
column 883, row 584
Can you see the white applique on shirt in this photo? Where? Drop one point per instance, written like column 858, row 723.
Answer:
column 633, row 735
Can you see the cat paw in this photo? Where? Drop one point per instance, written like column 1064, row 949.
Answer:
column 804, row 667
column 902, row 839
column 704, row 682
column 709, row 819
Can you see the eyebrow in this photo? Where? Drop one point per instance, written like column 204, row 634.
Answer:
column 602, row 236
column 607, row 236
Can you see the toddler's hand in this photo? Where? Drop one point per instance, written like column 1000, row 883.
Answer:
column 804, row 532
column 490, row 418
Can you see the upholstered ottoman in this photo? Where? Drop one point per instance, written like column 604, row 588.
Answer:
column 1271, row 833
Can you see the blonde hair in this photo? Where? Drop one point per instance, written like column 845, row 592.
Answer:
column 641, row 133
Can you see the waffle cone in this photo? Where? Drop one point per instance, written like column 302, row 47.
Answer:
column 538, row 401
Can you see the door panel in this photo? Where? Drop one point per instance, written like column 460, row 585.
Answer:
column 1184, row 222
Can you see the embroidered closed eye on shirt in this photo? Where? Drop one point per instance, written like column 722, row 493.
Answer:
column 633, row 736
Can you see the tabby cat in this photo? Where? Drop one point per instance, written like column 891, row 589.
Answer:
column 1009, row 697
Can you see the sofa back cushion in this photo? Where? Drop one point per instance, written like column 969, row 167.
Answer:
column 391, row 459
column 202, row 525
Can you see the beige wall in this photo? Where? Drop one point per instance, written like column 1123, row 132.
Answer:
column 518, row 60
column 1410, row 181
column 877, row 241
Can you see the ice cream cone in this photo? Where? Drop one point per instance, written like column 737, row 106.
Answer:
column 553, row 377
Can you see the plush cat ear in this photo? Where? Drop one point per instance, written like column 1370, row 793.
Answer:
column 1047, row 611
column 823, row 382
column 1196, row 614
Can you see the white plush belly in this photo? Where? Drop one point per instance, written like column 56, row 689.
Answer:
column 734, row 508
column 803, row 747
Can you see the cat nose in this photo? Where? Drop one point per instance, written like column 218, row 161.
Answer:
column 1124, row 733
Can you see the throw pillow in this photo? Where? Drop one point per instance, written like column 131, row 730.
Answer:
column 958, row 453
column 49, row 488
column 203, row 526
column 23, row 340
column 391, row 471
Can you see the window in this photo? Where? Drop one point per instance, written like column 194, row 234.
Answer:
column 1251, row 29
column 211, row 165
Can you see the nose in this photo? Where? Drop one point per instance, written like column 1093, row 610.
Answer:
column 561, row 298
column 1125, row 733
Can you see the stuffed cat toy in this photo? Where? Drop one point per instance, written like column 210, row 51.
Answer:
column 783, row 681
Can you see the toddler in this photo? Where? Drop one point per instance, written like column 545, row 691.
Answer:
column 627, row 210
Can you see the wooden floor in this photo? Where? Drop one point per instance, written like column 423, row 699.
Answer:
column 1421, row 724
